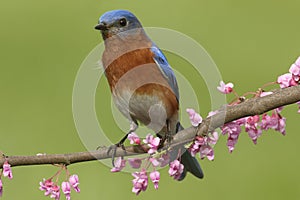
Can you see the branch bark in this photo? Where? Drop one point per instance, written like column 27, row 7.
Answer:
column 250, row 107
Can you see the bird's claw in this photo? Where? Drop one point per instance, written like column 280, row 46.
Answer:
column 113, row 149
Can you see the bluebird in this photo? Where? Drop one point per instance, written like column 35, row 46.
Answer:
column 143, row 85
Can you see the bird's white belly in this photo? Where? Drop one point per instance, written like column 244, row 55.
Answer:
column 149, row 110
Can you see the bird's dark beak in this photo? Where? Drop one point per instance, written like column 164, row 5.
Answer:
column 101, row 26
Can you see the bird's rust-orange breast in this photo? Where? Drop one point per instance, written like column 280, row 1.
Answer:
column 137, row 72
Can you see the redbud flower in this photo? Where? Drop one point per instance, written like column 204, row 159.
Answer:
column 153, row 143
column 207, row 151
column 295, row 70
column 140, row 181
column 195, row 118
column 55, row 192
column 1, row 188
column 176, row 169
column 252, row 129
column 154, row 162
column 74, row 181
column 164, row 160
column 268, row 122
column 233, row 129
column 135, row 162
column 155, row 176
column 276, row 122
column 119, row 164
column 7, row 172
column 286, row 80
column 195, row 147
column 134, row 138
column 46, row 185
column 225, row 88
column 66, row 188
column 202, row 145
column 213, row 138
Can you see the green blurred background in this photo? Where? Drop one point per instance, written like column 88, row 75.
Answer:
column 43, row 43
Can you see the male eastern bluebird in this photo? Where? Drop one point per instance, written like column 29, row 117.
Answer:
column 143, row 85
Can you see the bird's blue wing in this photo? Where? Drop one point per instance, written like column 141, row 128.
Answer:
column 166, row 69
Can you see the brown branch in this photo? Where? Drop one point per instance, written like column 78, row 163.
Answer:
column 254, row 106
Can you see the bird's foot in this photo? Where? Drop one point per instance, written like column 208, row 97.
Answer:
column 112, row 150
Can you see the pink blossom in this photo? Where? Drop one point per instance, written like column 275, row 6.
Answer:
column 55, row 192
column 268, row 122
column 74, row 181
column 1, row 188
column 134, row 138
column 276, row 122
column 66, row 188
column 225, row 88
column 7, row 172
column 233, row 129
column 207, row 151
column 281, row 125
column 119, row 164
column 140, row 181
column 176, row 169
column 46, row 185
column 202, row 145
column 213, row 138
column 252, row 128
column 155, row 176
column 295, row 70
column 135, row 162
column 152, row 142
column 195, row 118
column 164, row 160
column 154, row 162
column 195, row 147
column 286, row 80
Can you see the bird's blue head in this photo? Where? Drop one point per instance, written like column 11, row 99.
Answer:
column 117, row 21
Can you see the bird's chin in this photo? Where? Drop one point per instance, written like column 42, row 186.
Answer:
column 106, row 34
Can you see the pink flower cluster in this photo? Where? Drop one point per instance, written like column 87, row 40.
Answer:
column 253, row 126
column 204, row 146
column 292, row 78
column 176, row 169
column 53, row 190
column 152, row 142
column 140, row 181
column 6, row 172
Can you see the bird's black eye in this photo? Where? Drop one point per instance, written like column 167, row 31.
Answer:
column 123, row 22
